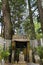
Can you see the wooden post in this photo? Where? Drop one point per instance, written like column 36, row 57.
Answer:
column 30, row 55
column 13, row 51
column 28, row 48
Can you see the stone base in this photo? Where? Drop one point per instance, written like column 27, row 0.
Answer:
column 22, row 62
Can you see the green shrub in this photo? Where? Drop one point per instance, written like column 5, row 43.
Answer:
column 3, row 53
column 39, row 50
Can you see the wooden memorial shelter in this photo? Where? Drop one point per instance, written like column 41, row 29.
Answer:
column 20, row 43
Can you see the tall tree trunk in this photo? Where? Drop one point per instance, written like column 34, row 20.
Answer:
column 6, row 19
column 40, row 13
column 33, row 35
column 7, row 23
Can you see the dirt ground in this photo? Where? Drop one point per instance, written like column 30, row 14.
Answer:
column 22, row 64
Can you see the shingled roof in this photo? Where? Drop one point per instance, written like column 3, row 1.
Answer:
column 22, row 38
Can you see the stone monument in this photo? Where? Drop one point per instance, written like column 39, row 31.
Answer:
column 37, row 58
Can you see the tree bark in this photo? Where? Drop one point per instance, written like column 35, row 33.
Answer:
column 6, row 19
column 40, row 9
column 7, row 23
column 33, row 35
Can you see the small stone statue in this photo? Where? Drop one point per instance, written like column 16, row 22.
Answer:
column 21, row 56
